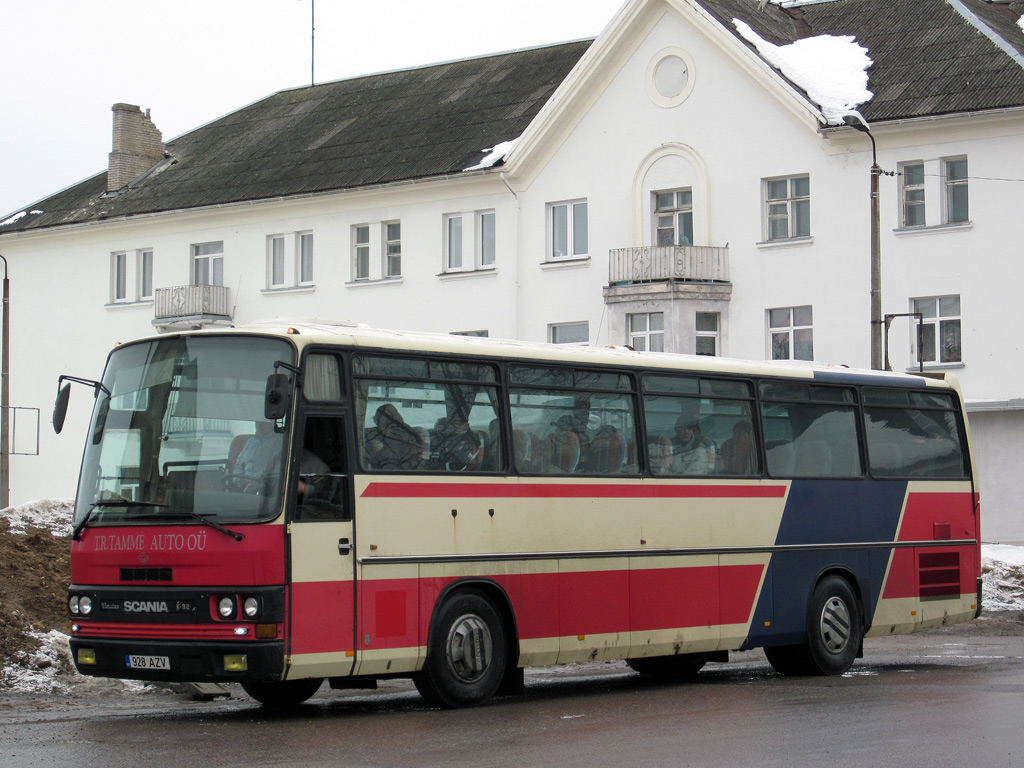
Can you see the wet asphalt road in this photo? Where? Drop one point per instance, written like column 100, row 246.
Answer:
column 950, row 697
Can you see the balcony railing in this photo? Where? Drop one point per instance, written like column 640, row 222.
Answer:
column 188, row 302
column 690, row 263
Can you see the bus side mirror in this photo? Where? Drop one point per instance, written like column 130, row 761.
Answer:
column 60, row 407
column 277, row 400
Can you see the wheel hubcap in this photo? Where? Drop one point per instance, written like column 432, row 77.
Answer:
column 469, row 648
column 835, row 626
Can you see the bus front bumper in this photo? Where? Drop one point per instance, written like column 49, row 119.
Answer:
column 179, row 662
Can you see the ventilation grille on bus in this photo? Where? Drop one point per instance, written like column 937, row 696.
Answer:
column 146, row 574
column 939, row 574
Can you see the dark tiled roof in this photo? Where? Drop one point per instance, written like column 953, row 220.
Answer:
column 395, row 126
column 928, row 59
column 431, row 121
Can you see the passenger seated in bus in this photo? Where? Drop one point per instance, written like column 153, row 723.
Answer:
column 607, row 451
column 661, row 455
column 392, row 444
column 454, row 446
column 563, row 447
column 692, row 452
column 257, row 459
column 737, row 454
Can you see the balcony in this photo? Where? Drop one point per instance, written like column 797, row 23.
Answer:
column 668, row 273
column 688, row 263
column 182, row 307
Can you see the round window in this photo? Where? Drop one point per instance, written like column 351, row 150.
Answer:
column 670, row 77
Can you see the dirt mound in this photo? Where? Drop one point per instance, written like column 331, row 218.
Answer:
column 35, row 571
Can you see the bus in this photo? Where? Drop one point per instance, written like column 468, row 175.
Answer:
column 276, row 505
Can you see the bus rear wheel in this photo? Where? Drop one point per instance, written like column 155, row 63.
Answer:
column 834, row 633
column 679, row 667
column 282, row 694
column 466, row 653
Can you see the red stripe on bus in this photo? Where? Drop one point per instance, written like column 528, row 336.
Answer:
column 569, row 491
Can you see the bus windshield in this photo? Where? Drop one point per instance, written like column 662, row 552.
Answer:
column 179, row 430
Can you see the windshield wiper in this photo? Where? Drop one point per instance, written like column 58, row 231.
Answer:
column 184, row 515
column 77, row 532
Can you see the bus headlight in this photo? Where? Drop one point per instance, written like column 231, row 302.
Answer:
column 73, row 605
column 226, row 607
column 85, row 605
column 251, row 607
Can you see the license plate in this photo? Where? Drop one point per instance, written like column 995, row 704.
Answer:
column 146, row 662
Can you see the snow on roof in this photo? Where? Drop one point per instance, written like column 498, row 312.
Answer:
column 496, row 153
column 832, row 70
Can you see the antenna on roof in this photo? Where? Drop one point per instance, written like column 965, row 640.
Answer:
column 312, row 41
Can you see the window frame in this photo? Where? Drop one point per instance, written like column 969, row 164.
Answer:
column 793, row 203
column 214, row 261
column 791, row 330
column 119, row 277
column 554, row 328
column 453, row 238
column 952, row 186
column 304, row 258
column 936, row 323
column 647, row 339
column 360, row 253
column 679, row 208
column 275, row 261
column 916, row 189
column 576, row 223
column 392, row 248
column 715, row 336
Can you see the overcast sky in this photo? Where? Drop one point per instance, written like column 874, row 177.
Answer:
column 64, row 63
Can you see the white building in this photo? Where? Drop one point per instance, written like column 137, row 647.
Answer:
column 379, row 199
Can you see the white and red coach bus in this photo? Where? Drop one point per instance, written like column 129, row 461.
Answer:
column 279, row 505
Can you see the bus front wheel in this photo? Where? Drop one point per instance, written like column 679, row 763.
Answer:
column 282, row 693
column 466, row 653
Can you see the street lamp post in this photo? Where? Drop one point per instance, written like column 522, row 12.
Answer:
column 877, row 364
column 5, row 396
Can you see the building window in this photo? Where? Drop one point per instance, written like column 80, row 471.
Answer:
column 145, row 274
column 568, row 223
column 673, row 217
column 208, row 263
column 453, row 243
column 393, row 249
column 706, row 339
column 647, row 331
column 486, row 238
column 361, row 252
column 569, row 333
column 119, row 276
column 787, row 207
column 954, row 174
column 790, row 333
column 912, row 181
column 275, row 254
column 305, row 249
column 940, row 328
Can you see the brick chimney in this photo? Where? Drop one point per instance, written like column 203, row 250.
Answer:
column 138, row 146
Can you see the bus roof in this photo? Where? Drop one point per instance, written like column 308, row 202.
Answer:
column 304, row 332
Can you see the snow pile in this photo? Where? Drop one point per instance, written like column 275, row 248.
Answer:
column 52, row 514
column 494, row 154
column 833, row 70
column 1002, row 568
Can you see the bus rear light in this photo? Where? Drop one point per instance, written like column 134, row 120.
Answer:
column 86, row 656
column 237, row 662
column 266, row 631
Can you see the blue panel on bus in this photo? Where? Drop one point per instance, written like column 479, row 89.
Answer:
column 823, row 512
column 874, row 380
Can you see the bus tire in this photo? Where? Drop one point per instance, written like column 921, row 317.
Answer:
column 834, row 633
column 834, row 627
column 282, row 694
column 466, row 652
column 680, row 667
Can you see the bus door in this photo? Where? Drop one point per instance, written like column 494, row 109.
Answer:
column 321, row 601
